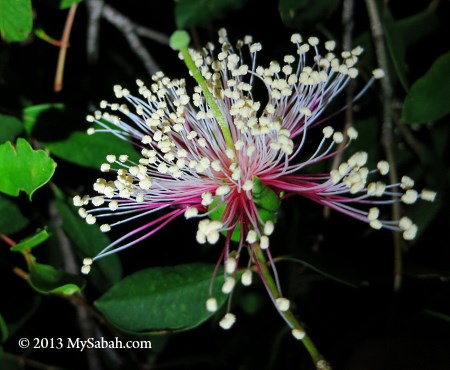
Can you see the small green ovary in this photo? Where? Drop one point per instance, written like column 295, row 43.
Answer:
column 267, row 204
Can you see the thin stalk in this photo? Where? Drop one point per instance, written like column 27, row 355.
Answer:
column 316, row 357
column 63, row 50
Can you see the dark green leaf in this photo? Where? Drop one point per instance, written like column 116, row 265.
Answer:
column 189, row 13
column 16, row 19
column 46, row 279
column 90, row 240
column 302, row 14
column 10, row 127
column 23, row 168
column 162, row 298
column 90, row 150
column 396, row 47
column 14, row 221
column 4, row 332
column 32, row 114
column 31, row 242
column 427, row 99
column 416, row 27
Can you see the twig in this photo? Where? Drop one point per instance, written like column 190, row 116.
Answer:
column 85, row 321
column 7, row 240
column 94, row 9
column 386, row 134
column 63, row 49
column 130, row 30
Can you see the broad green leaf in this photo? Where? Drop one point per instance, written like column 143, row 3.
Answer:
column 189, row 13
column 302, row 14
column 46, row 279
column 33, row 113
column 396, row 47
column 16, row 19
column 162, row 298
column 427, row 99
column 416, row 27
column 4, row 332
column 32, row 241
column 90, row 150
column 10, row 127
column 90, row 240
column 23, row 168
column 330, row 266
column 11, row 219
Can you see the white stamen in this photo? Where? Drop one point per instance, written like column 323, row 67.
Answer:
column 228, row 285
column 283, row 304
column 247, row 277
column 190, row 212
column 251, row 237
column 211, row 304
column 227, row 321
column 383, row 167
column 269, row 228
column 298, row 334
column 105, row 228
column 428, row 195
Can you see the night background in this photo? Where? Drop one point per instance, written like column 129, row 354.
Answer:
column 368, row 299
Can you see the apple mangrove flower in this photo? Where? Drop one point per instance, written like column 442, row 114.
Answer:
column 223, row 158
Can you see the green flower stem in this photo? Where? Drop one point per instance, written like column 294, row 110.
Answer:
column 179, row 41
column 288, row 315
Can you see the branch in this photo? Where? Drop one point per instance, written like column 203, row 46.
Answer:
column 94, row 10
column 131, row 31
column 386, row 134
column 63, row 49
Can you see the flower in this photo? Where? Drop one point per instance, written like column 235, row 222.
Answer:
column 220, row 156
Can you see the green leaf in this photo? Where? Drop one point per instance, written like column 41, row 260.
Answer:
column 61, row 4
column 303, row 14
column 10, row 127
column 46, row 279
column 427, row 99
column 32, row 241
column 4, row 332
column 90, row 240
column 396, row 47
column 32, row 114
column 162, row 298
column 14, row 221
column 23, row 168
column 416, row 27
column 16, row 19
column 90, row 150
column 189, row 13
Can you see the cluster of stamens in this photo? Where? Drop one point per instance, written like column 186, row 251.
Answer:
column 187, row 165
